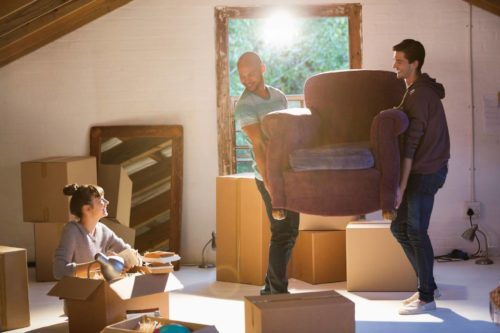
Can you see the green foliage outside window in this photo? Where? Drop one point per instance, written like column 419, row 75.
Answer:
column 321, row 44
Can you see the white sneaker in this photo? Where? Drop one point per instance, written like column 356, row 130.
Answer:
column 414, row 297
column 417, row 307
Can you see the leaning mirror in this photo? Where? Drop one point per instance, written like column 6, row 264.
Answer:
column 151, row 157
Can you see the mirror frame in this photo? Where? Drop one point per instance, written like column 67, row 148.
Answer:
column 173, row 132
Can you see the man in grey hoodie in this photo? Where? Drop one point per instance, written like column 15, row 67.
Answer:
column 426, row 151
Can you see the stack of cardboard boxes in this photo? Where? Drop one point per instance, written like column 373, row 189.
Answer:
column 243, row 237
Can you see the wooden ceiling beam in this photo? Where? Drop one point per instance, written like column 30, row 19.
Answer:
column 492, row 6
column 34, row 24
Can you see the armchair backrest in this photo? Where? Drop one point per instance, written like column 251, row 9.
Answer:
column 347, row 101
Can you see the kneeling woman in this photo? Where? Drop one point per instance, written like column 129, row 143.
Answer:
column 83, row 238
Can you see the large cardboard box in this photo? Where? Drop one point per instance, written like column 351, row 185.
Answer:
column 319, row 256
column 14, row 302
column 318, row 312
column 317, row 222
column 43, row 181
column 118, row 190
column 131, row 325
column 243, row 232
column 92, row 305
column 47, row 236
column 375, row 260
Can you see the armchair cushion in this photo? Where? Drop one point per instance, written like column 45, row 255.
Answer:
column 346, row 156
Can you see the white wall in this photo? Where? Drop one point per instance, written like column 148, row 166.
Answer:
column 153, row 62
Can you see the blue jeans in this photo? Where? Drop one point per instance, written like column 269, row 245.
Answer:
column 411, row 225
column 283, row 236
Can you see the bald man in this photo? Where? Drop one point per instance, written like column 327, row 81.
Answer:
column 255, row 102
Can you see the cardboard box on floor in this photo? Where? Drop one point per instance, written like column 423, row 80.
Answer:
column 14, row 301
column 131, row 325
column 43, row 181
column 118, row 190
column 317, row 222
column 47, row 236
column 318, row 312
column 94, row 304
column 319, row 256
column 242, row 231
column 375, row 260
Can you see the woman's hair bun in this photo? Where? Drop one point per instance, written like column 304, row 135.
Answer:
column 70, row 189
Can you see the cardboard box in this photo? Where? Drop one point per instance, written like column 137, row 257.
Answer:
column 118, row 190
column 318, row 312
column 14, row 302
column 319, row 257
column 375, row 260
column 131, row 325
column 47, row 236
column 94, row 304
column 243, row 231
column 125, row 233
column 317, row 222
column 43, row 181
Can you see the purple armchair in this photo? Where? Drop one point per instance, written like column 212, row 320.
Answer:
column 343, row 107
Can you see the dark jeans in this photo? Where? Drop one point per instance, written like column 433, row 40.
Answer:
column 411, row 225
column 283, row 236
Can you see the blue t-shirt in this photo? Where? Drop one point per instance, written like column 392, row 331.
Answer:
column 251, row 108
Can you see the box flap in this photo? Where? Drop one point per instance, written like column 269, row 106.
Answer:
column 75, row 288
column 141, row 285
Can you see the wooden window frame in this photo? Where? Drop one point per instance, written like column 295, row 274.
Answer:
column 225, row 120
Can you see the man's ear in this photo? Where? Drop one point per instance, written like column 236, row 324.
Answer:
column 263, row 68
column 414, row 65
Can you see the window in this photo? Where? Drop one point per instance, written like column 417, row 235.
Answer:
column 336, row 25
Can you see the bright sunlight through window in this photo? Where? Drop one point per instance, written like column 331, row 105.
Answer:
column 280, row 29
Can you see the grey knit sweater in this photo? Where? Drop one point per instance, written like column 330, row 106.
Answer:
column 78, row 246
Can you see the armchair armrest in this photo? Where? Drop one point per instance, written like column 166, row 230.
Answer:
column 286, row 130
column 385, row 130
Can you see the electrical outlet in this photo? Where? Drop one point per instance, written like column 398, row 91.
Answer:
column 476, row 208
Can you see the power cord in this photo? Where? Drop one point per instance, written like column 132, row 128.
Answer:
column 470, row 213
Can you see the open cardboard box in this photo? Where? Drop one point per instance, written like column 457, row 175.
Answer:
column 92, row 304
column 132, row 325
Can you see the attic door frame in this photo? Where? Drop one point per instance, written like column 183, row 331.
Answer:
column 225, row 120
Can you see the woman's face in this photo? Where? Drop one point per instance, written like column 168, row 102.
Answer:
column 98, row 209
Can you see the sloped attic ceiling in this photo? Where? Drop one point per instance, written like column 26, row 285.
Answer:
column 26, row 25
column 492, row 6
